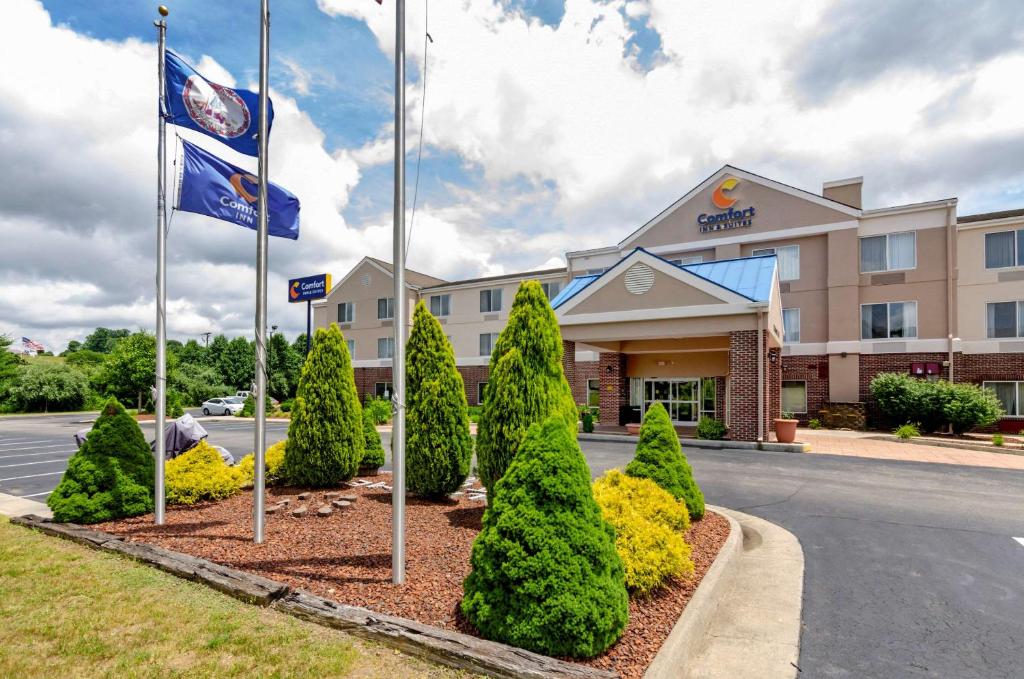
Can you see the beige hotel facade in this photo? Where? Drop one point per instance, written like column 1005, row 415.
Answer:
column 743, row 299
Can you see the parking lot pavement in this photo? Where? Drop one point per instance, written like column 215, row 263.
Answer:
column 34, row 451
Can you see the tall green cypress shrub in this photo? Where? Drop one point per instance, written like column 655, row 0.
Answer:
column 546, row 575
column 325, row 435
column 540, row 385
column 438, row 445
column 659, row 457
column 373, row 453
column 111, row 475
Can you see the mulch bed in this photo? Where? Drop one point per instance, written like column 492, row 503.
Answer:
column 347, row 557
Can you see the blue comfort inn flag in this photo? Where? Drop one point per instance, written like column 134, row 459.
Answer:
column 211, row 187
column 228, row 115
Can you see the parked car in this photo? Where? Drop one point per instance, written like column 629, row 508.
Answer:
column 242, row 394
column 229, row 405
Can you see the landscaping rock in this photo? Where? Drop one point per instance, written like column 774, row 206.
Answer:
column 305, row 496
column 348, row 498
column 324, row 511
column 301, row 510
column 332, row 495
column 341, row 504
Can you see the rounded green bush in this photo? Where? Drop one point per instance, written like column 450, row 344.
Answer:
column 201, row 474
column 325, row 434
column 373, row 452
column 659, row 457
column 111, row 475
column 438, row 446
column 546, row 575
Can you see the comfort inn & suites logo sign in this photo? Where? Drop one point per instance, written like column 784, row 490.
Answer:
column 730, row 218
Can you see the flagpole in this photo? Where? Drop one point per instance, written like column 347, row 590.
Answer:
column 258, row 518
column 401, row 313
column 161, row 277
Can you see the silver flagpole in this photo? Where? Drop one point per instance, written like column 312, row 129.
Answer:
column 258, row 518
column 401, row 315
column 161, row 278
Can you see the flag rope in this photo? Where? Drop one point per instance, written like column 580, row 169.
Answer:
column 423, row 111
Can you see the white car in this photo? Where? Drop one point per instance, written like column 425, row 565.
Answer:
column 229, row 405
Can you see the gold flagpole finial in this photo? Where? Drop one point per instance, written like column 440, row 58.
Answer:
column 163, row 10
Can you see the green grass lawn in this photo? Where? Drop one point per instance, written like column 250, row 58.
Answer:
column 68, row 611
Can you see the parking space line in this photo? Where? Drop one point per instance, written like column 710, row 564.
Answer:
column 36, row 494
column 49, row 445
column 26, row 464
column 31, row 476
column 48, row 452
column 1020, row 540
column 25, row 443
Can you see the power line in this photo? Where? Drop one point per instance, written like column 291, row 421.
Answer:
column 423, row 110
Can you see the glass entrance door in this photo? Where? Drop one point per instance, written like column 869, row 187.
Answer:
column 680, row 396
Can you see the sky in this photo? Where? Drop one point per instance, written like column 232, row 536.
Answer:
column 548, row 125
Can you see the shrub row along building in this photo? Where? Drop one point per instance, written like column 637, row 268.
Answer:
column 743, row 299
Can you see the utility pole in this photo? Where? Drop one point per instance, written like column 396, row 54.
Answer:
column 206, row 339
column 161, row 275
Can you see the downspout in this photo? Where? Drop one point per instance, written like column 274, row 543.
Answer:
column 950, row 290
column 760, row 376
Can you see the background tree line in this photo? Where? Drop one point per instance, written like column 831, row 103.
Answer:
column 122, row 364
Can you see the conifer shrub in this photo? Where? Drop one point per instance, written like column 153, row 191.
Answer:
column 659, row 457
column 438, row 446
column 545, row 572
column 325, row 434
column 379, row 409
column 649, row 525
column 710, row 429
column 201, row 474
column 373, row 453
column 110, row 476
column 529, row 392
column 273, row 459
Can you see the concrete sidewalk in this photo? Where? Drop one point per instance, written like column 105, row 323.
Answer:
column 861, row 444
column 755, row 630
column 12, row 505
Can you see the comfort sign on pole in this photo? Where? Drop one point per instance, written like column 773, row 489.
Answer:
column 306, row 290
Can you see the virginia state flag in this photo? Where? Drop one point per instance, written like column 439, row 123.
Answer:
column 228, row 115
column 211, row 187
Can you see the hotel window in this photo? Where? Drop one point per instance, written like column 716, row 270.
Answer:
column 594, row 272
column 346, row 312
column 1010, row 394
column 481, row 391
column 791, row 326
column 693, row 259
column 351, row 348
column 594, row 393
column 1005, row 319
column 385, row 347
column 440, row 305
column 385, row 308
column 893, row 320
column 794, row 396
column 1004, row 248
column 888, row 252
column 487, row 340
column 789, row 260
column 382, row 390
column 552, row 288
column 490, row 301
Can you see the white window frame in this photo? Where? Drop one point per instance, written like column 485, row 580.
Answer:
column 889, row 337
column 351, row 307
column 491, row 342
column 888, row 267
column 595, row 272
column 351, row 344
column 480, row 386
column 389, row 347
column 546, row 286
column 1018, row 329
column 444, row 305
column 388, row 387
column 798, row 328
column 1017, row 263
column 1017, row 393
column 761, row 252
column 389, row 307
column 488, row 294
column 782, row 389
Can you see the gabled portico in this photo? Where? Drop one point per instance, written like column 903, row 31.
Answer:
column 685, row 336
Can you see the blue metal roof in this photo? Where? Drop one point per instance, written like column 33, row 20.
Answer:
column 750, row 277
column 574, row 286
column 747, row 276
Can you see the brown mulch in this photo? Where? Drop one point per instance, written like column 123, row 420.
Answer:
column 347, row 557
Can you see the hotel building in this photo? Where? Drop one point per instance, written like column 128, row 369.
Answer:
column 743, row 299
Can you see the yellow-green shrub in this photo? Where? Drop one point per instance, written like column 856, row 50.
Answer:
column 273, row 459
column 200, row 474
column 649, row 525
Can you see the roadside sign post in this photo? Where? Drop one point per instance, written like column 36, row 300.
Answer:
column 308, row 289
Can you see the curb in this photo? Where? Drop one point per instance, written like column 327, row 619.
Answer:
column 711, row 445
column 688, row 633
column 956, row 445
column 446, row 647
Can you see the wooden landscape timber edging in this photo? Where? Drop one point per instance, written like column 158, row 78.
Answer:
column 446, row 647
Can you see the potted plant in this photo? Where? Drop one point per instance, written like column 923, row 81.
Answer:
column 785, row 428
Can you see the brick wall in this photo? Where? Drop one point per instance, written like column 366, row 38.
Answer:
column 569, row 369
column 367, row 378
column 472, row 375
column 814, row 371
column 614, row 385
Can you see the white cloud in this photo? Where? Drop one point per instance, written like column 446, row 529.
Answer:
column 301, row 78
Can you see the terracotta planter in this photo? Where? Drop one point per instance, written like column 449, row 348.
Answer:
column 367, row 471
column 785, row 430
column 633, row 428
